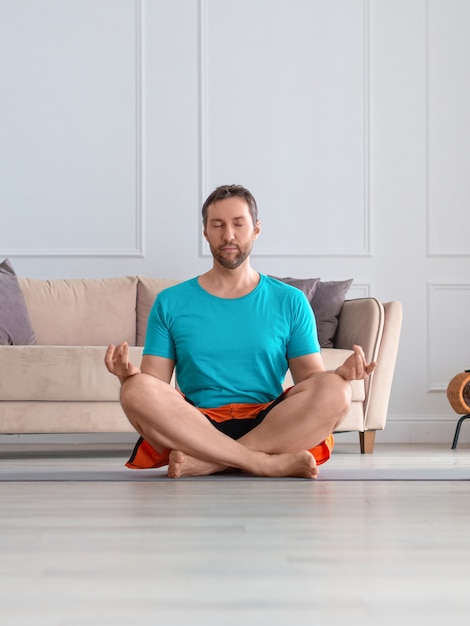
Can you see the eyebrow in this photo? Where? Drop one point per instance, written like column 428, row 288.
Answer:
column 235, row 219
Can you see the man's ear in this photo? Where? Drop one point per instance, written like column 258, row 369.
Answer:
column 257, row 230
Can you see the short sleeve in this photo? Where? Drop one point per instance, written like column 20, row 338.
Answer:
column 158, row 340
column 304, row 336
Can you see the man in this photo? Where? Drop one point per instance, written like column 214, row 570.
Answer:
column 232, row 333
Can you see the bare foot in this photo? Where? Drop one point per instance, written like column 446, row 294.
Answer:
column 182, row 464
column 299, row 465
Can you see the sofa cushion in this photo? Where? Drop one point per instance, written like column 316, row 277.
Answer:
column 82, row 312
column 15, row 324
column 59, row 374
column 27, row 416
column 147, row 291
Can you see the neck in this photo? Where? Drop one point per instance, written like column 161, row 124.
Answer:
column 229, row 283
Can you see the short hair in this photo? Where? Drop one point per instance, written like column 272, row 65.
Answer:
column 230, row 191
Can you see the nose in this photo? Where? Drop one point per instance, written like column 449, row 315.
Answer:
column 228, row 234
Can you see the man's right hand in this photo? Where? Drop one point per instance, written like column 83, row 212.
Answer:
column 117, row 361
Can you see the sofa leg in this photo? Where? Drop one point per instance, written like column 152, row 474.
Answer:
column 367, row 441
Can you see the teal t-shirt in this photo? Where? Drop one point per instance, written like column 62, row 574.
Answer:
column 231, row 350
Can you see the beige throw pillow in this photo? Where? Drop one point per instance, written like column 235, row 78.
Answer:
column 82, row 312
column 147, row 291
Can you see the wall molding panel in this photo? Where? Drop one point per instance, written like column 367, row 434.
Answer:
column 287, row 165
column 348, row 120
column 80, row 147
column 359, row 290
column 448, row 350
column 447, row 128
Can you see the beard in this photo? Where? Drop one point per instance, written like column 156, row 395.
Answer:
column 234, row 260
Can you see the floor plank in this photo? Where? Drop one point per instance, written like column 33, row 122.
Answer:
column 233, row 549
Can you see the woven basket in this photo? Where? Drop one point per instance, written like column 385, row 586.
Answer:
column 458, row 392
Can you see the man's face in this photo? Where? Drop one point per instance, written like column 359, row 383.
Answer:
column 230, row 231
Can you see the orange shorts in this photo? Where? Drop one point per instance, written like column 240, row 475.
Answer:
column 235, row 420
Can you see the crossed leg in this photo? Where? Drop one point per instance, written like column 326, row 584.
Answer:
column 277, row 447
column 309, row 413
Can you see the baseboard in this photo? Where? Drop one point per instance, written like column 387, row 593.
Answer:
column 72, row 438
column 414, row 429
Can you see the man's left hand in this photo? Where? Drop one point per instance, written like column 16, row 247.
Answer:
column 356, row 367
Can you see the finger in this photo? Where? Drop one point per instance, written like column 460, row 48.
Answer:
column 358, row 350
column 108, row 357
column 125, row 352
column 120, row 348
column 358, row 363
column 360, row 367
column 124, row 356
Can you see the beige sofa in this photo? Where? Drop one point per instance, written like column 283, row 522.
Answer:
column 60, row 384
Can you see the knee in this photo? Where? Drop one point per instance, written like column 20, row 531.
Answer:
column 334, row 391
column 143, row 390
column 342, row 392
column 336, row 399
column 132, row 391
column 340, row 385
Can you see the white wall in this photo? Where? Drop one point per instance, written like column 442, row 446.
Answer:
column 348, row 119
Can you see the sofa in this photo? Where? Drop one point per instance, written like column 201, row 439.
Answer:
column 55, row 380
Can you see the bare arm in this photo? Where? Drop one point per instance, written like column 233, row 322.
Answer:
column 117, row 363
column 354, row 368
column 303, row 367
column 158, row 366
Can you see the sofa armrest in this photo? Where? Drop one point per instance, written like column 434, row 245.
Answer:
column 381, row 384
column 361, row 322
column 376, row 327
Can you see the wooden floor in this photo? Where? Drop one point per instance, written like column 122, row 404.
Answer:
column 356, row 546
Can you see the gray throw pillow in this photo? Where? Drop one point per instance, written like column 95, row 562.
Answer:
column 15, row 325
column 307, row 285
column 326, row 299
column 327, row 303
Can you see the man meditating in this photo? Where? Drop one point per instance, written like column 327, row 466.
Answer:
column 231, row 334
